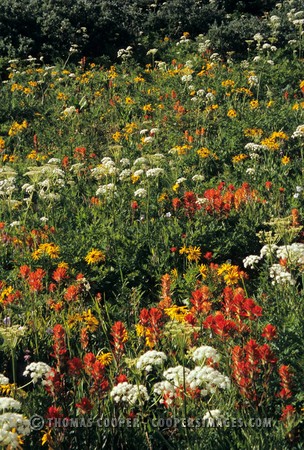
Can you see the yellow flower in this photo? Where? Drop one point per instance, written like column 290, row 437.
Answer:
column 63, row 265
column 193, row 253
column 95, row 256
column 91, row 321
column 130, row 127
column 183, row 250
column 239, row 158
column 203, row 152
column 175, row 187
column 150, row 339
column 228, row 83
column 177, row 312
column 135, row 178
column 48, row 248
column 47, row 438
column 147, row 108
column 73, row 320
column 16, row 128
column 223, row 268
column 36, row 255
column 62, row 96
column 230, row 273
column 129, row 101
column 117, row 136
column 254, row 104
column 174, row 274
column 140, row 329
column 203, row 269
column 285, row 160
column 253, row 132
column 139, row 80
column 105, row 358
column 231, row 113
column 2, row 144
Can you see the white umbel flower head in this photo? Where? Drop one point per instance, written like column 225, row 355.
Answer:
column 37, row 371
column 151, row 359
column 205, row 352
column 129, row 393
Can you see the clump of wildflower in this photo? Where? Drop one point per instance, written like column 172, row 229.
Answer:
column 12, row 427
column 207, row 379
column 129, row 393
column 205, row 352
column 37, row 371
column 151, row 359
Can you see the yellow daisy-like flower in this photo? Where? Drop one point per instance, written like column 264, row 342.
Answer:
column 129, row 101
column 239, row 158
column 253, row 132
column 63, row 265
column 147, row 108
column 231, row 113
column 193, row 253
column 90, row 320
column 73, row 320
column 254, row 104
column 203, row 269
column 177, row 312
column 232, row 276
column 285, row 160
column 203, row 152
column 105, row 358
column 117, row 136
column 95, row 256
column 2, row 144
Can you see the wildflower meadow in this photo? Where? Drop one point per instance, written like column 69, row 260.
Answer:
column 152, row 248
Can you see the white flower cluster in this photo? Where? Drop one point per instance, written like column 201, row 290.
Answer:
column 252, row 147
column 125, row 174
column 37, row 371
column 106, row 189
column 204, row 352
column 299, row 133
column 293, row 253
column 8, row 403
column 207, row 379
column 250, row 261
column 47, row 180
column 280, row 275
column 3, row 379
column 165, row 388
column 176, row 375
column 107, row 167
column 151, row 359
column 129, row 393
column 155, row 172
column 125, row 53
column 12, row 426
column 141, row 193
column 7, row 187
